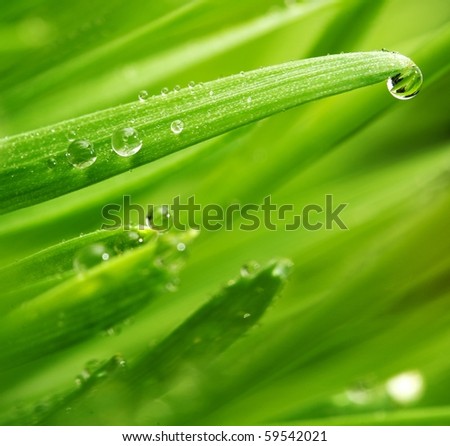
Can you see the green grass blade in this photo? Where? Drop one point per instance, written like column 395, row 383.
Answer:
column 34, row 166
column 195, row 344
column 94, row 300
column 34, row 274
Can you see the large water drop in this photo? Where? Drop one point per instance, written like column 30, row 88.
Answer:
column 406, row 84
column 81, row 154
column 90, row 256
column 126, row 142
column 159, row 218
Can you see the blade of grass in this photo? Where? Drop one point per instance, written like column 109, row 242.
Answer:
column 27, row 178
column 94, row 300
column 196, row 343
column 34, row 274
column 115, row 85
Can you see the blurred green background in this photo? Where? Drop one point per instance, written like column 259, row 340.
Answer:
column 363, row 305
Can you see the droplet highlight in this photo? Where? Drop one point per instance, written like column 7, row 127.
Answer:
column 406, row 84
column 126, row 142
column 81, row 154
column 406, row 388
column 177, row 126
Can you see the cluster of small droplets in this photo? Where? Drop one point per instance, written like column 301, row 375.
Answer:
column 125, row 141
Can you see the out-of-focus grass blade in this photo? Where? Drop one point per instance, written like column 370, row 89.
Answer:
column 423, row 416
column 149, row 66
column 34, row 166
column 96, row 299
column 194, row 344
column 347, row 27
column 34, row 274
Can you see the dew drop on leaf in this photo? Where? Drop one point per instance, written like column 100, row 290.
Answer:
column 282, row 269
column 81, row 154
column 164, row 91
column 90, row 256
column 71, row 135
column 249, row 269
column 126, row 142
column 51, row 163
column 177, row 126
column 406, row 84
column 143, row 95
column 159, row 218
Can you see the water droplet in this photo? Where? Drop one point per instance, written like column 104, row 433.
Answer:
column 128, row 240
column 406, row 84
column 242, row 73
column 406, row 388
column 211, row 93
column 71, row 135
column 360, row 393
column 177, row 126
column 119, row 361
column 249, row 100
column 81, row 154
column 282, row 269
column 112, row 331
column 159, row 218
column 51, row 163
column 177, row 88
column 90, row 256
column 164, row 91
column 172, row 286
column 143, row 95
column 126, row 142
column 80, row 380
column 246, row 315
column 191, row 84
column 91, row 366
column 249, row 269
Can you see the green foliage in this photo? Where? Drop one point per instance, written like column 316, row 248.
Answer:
column 128, row 327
